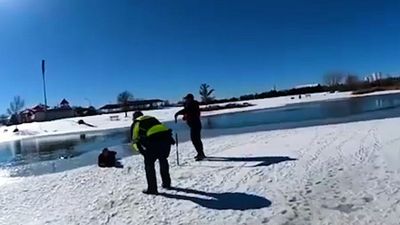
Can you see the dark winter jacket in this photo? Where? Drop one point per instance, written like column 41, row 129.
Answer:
column 107, row 159
column 191, row 113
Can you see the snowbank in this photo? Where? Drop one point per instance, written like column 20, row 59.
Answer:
column 286, row 100
column 334, row 174
column 103, row 122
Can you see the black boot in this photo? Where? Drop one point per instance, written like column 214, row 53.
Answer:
column 200, row 157
column 166, row 186
column 150, row 192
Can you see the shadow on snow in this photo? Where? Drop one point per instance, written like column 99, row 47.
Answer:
column 264, row 160
column 221, row 201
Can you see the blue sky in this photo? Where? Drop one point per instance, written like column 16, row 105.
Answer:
column 95, row 49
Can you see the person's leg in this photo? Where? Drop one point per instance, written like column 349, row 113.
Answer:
column 195, row 135
column 164, row 171
column 150, row 173
column 163, row 150
column 193, row 139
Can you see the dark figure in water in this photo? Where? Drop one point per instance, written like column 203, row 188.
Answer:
column 107, row 158
column 153, row 140
column 191, row 113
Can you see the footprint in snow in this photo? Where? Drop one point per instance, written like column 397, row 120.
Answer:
column 367, row 199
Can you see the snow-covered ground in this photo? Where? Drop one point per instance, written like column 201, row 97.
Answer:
column 335, row 174
column 103, row 122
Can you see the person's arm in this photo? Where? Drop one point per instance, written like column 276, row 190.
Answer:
column 180, row 112
column 171, row 138
column 137, row 146
column 131, row 132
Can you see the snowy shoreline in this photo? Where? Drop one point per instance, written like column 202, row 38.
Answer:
column 103, row 123
column 332, row 174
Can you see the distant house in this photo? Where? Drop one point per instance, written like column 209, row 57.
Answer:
column 306, row 86
column 111, row 108
column 134, row 105
column 32, row 114
column 54, row 114
column 374, row 77
column 82, row 111
column 40, row 108
column 146, row 104
column 42, row 113
column 64, row 104
column 27, row 116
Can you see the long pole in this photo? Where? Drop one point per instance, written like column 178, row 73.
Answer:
column 177, row 149
column 44, row 85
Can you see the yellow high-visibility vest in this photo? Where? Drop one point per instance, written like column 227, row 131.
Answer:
column 144, row 127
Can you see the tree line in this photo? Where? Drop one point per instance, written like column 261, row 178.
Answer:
column 331, row 82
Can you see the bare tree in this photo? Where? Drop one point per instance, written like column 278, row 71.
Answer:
column 16, row 106
column 123, row 99
column 205, row 93
column 352, row 80
column 333, row 79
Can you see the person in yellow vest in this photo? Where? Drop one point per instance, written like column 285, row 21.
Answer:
column 153, row 140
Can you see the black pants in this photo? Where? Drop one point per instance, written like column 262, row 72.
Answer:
column 195, row 136
column 160, row 151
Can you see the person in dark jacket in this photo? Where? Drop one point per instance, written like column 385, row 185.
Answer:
column 191, row 113
column 107, row 158
column 153, row 140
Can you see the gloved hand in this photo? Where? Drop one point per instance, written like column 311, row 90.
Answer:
column 172, row 141
column 171, row 138
column 141, row 150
